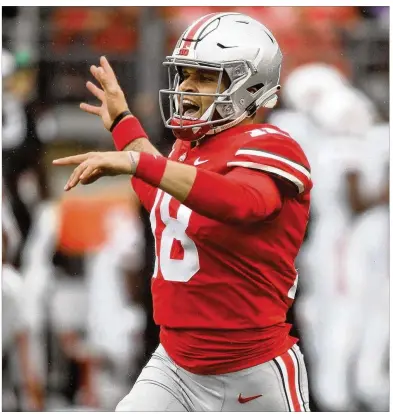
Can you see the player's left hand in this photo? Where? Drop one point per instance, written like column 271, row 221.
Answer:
column 94, row 165
column 113, row 101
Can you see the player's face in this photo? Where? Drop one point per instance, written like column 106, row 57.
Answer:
column 199, row 81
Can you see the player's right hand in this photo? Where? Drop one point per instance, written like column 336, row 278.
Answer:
column 113, row 101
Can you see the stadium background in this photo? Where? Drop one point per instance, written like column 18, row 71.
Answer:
column 88, row 338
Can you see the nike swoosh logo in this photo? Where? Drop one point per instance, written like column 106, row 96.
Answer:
column 198, row 161
column 243, row 400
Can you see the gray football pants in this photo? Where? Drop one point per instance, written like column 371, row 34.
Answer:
column 277, row 385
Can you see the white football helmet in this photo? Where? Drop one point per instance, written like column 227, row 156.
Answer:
column 234, row 44
column 344, row 111
column 306, row 85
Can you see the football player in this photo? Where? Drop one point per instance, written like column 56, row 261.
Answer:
column 367, row 269
column 342, row 117
column 19, row 368
column 228, row 208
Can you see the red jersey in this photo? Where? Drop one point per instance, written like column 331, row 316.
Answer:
column 221, row 291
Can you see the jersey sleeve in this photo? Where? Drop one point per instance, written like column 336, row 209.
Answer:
column 240, row 197
column 276, row 153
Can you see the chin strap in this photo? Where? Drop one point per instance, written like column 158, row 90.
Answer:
column 221, row 128
column 228, row 125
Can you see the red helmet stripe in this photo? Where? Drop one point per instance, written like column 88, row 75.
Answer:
column 189, row 36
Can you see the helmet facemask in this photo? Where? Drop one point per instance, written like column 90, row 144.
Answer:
column 224, row 111
column 219, row 112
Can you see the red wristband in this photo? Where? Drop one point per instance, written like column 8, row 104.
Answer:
column 151, row 168
column 127, row 131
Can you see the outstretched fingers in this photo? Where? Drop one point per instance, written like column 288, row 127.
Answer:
column 98, row 73
column 91, row 109
column 82, row 160
column 105, row 75
column 74, row 177
column 80, row 172
column 88, row 171
column 91, row 178
column 107, row 67
column 96, row 91
column 73, row 159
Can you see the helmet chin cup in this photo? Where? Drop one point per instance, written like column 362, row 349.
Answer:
column 187, row 132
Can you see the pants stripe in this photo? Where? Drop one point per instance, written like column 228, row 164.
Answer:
column 295, row 351
column 283, row 382
column 290, row 381
column 297, row 379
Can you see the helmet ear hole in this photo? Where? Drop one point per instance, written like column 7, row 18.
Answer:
column 254, row 89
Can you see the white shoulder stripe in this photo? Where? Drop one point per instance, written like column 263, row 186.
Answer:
column 260, row 153
column 264, row 131
column 268, row 168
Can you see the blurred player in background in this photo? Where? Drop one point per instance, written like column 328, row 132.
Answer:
column 116, row 320
column 21, row 147
column 228, row 209
column 333, row 121
column 367, row 269
column 96, row 326
column 19, row 368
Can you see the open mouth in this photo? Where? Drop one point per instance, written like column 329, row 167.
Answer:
column 190, row 109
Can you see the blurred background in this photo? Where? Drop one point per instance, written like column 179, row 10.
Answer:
column 76, row 307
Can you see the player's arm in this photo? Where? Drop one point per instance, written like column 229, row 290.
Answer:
column 265, row 172
column 241, row 196
column 142, row 145
column 129, row 135
column 113, row 103
column 246, row 194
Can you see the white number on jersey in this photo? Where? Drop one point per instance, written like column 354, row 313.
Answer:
column 174, row 270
